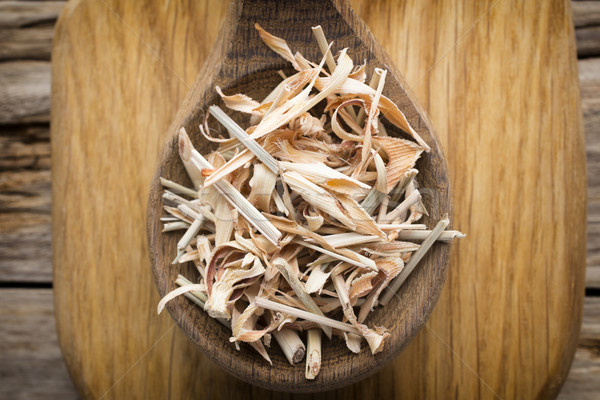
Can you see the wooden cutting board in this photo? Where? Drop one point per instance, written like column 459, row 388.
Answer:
column 499, row 81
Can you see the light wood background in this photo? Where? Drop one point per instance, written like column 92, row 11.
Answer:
column 31, row 362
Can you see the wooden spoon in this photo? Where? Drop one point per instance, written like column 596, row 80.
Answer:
column 241, row 63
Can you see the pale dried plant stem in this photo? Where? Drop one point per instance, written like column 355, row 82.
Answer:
column 185, row 153
column 324, row 46
column 313, row 353
column 403, row 183
column 349, row 239
column 187, row 237
column 283, row 93
column 175, row 226
column 295, row 312
column 369, row 125
column 199, row 296
column 363, row 263
column 287, row 198
column 414, row 260
column 402, row 207
column 298, row 287
column 372, row 200
column 326, row 50
column 411, row 227
column 378, row 192
column 291, row 344
column 197, row 162
column 236, row 131
column 383, row 206
column 191, row 212
column 176, row 187
column 446, row 236
column 373, row 83
column 174, row 198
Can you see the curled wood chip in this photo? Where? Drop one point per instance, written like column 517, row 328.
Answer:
column 175, row 293
column 402, row 155
column 277, row 44
column 313, row 219
column 317, row 279
column 240, row 102
column 327, row 177
column 306, row 124
column 362, row 285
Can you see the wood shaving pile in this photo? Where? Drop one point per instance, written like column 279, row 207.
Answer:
column 303, row 222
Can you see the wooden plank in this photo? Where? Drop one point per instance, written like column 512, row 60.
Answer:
column 20, row 44
column 583, row 382
column 586, row 13
column 22, row 14
column 27, row 29
column 25, row 92
column 25, row 232
column 25, row 247
column 508, row 133
column 32, row 365
column 586, row 17
column 24, row 147
column 589, row 77
column 588, row 41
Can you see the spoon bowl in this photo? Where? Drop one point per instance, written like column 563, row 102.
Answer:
column 241, row 63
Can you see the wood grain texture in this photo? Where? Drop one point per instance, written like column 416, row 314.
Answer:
column 26, row 32
column 586, row 17
column 25, row 92
column 589, row 77
column 586, row 13
column 25, row 233
column 588, row 41
column 500, row 323
column 146, row 79
column 583, row 382
column 492, row 331
column 242, row 63
column 24, row 14
column 27, row 29
column 32, row 366
column 33, row 43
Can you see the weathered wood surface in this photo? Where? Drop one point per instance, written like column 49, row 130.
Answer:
column 25, row 234
column 507, row 337
column 31, row 365
column 589, row 76
column 584, row 377
column 586, row 16
column 23, row 150
column 586, row 13
column 25, row 92
column 27, row 29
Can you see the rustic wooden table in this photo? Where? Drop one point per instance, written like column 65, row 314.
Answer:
column 31, row 364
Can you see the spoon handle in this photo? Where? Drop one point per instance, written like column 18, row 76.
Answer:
column 242, row 52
